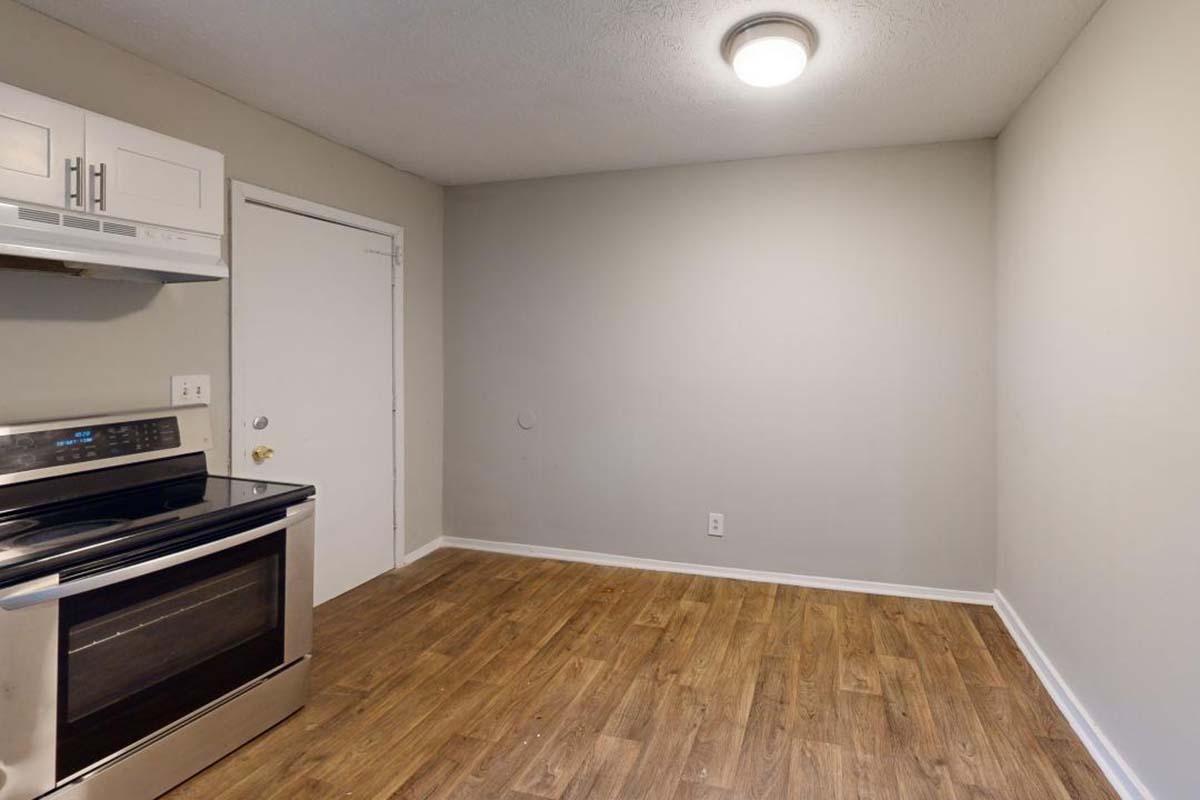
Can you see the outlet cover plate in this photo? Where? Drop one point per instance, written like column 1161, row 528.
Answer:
column 190, row 390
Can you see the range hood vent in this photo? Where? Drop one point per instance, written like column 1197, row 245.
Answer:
column 90, row 246
column 81, row 223
column 37, row 215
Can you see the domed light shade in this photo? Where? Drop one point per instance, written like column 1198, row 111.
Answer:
column 769, row 50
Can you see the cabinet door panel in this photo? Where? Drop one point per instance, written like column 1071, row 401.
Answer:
column 139, row 174
column 38, row 137
column 149, row 177
column 24, row 147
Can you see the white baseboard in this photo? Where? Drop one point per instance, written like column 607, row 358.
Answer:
column 1118, row 772
column 787, row 578
column 421, row 552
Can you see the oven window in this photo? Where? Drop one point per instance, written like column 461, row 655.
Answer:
column 141, row 654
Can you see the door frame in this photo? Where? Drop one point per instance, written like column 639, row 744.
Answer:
column 241, row 193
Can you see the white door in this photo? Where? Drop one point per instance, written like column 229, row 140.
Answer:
column 312, row 341
column 41, row 150
column 141, row 175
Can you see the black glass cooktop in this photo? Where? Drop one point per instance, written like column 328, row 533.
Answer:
column 51, row 536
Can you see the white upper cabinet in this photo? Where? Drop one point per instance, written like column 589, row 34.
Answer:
column 41, row 150
column 58, row 155
column 141, row 175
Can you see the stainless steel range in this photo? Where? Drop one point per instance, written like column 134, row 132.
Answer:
column 153, row 617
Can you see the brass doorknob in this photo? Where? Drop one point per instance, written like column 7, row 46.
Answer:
column 261, row 453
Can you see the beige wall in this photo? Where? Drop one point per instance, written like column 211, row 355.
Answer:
column 1099, row 414
column 804, row 344
column 69, row 346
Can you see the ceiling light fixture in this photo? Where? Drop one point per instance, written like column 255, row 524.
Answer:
column 769, row 50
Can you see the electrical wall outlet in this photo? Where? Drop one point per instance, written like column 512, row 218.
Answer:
column 716, row 524
column 190, row 390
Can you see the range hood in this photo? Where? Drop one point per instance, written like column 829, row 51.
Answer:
column 48, row 239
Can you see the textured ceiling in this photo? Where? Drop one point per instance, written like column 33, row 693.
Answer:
column 465, row 91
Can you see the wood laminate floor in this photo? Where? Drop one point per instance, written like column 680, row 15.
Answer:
column 491, row 677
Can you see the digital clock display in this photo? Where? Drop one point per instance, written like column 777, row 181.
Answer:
column 79, row 437
column 21, row 452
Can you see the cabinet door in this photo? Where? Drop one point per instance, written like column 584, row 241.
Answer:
column 145, row 176
column 41, row 143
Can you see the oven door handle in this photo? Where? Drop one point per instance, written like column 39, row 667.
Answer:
column 46, row 594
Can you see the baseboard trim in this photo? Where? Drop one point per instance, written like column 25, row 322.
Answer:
column 422, row 551
column 1115, row 768
column 786, row 578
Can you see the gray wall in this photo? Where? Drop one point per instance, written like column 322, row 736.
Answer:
column 1099, row 411
column 805, row 344
column 69, row 346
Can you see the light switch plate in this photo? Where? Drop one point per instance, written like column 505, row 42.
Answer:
column 190, row 390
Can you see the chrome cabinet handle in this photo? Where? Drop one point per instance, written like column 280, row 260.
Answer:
column 76, row 167
column 18, row 600
column 100, row 198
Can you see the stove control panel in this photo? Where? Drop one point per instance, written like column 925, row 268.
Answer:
column 63, row 446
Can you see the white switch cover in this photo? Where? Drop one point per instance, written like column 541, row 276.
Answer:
column 189, row 390
column 716, row 524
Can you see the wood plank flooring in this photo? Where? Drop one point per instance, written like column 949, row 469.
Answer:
column 490, row 677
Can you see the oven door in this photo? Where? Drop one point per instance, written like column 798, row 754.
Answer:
column 144, row 645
